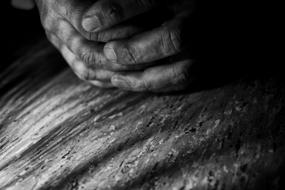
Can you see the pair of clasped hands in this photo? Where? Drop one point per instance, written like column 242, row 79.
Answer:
column 108, row 43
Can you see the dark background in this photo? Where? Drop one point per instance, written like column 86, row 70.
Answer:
column 19, row 30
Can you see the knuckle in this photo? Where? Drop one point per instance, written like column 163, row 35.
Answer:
column 46, row 22
column 142, row 85
column 121, row 52
column 62, row 7
column 50, row 21
column 83, row 74
column 68, row 9
column 88, row 57
column 100, row 37
column 147, row 86
column 81, row 70
column 93, row 36
column 130, row 54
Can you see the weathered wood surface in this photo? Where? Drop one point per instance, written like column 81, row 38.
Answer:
column 60, row 133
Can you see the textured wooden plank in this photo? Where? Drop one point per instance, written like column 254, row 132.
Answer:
column 60, row 133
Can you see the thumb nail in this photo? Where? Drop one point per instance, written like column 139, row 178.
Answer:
column 110, row 52
column 91, row 23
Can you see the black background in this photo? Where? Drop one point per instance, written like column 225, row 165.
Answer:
column 19, row 29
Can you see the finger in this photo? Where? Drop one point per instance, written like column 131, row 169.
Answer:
column 96, row 77
column 91, row 53
column 54, row 40
column 154, row 45
column 116, row 33
column 79, row 67
column 72, row 11
column 106, row 13
column 159, row 79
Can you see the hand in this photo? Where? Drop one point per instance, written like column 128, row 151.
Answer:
column 82, row 50
column 159, row 51
column 152, row 60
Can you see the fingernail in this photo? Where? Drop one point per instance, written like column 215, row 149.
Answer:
column 96, row 83
column 91, row 23
column 110, row 53
column 120, row 81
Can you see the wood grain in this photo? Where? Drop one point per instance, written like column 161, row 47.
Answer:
column 57, row 132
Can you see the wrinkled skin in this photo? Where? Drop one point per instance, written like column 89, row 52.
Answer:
column 106, row 50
